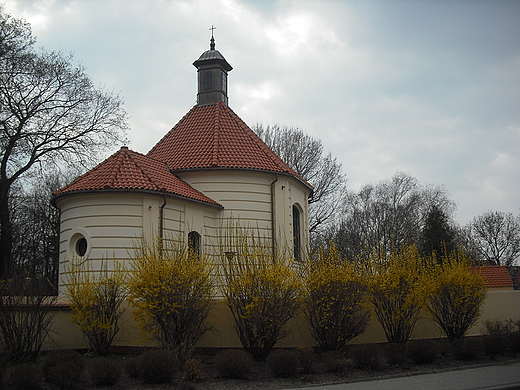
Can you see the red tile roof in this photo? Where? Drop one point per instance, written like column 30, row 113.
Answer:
column 496, row 276
column 129, row 170
column 214, row 136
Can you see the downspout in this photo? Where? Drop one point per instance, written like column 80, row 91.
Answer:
column 161, row 222
column 273, row 216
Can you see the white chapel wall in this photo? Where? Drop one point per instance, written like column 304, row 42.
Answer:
column 246, row 197
column 288, row 193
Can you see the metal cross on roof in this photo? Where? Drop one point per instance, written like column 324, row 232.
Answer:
column 212, row 44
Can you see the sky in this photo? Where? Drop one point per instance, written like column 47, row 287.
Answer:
column 429, row 88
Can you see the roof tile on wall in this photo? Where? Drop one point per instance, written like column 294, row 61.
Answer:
column 496, row 276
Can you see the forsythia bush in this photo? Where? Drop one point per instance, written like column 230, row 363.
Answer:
column 96, row 302
column 262, row 290
column 456, row 292
column 397, row 291
column 171, row 289
column 336, row 300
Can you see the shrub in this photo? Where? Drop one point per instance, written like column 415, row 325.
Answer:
column 2, row 369
column 423, row 351
column 194, row 370
column 96, row 303
column 185, row 386
column 261, row 288
column 23, row 332
column 172, row 291
column 397, row 292
column 395, row 354
column 336, row 300
column 234, row 363
column 497, row 327
column 131, row 368
column 306, row 358
column 63, row 368
column 515, row 325
column 157, row 366
column 367, row 356
column 335, row 361
column 105, row 372
column 445, row 347
column 467, row 348
column 25, row 376
column 455, row 295
column 283, row 363
column 497, row 340
column 496, row 345
column 514, row 339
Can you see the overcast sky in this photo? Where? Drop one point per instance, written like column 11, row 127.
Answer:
column 430, row 88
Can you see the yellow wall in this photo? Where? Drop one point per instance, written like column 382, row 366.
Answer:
column 501, row 305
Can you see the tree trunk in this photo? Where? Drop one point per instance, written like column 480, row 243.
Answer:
column 6, row 232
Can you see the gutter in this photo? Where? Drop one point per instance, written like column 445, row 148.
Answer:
column 161, row 219
column 273, row 216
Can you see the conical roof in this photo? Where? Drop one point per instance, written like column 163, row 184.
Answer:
column 128, row 170
column 214, row 137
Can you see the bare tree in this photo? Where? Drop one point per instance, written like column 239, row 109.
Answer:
column 50, row 112
column 306, row 156
column 386, row 216
column 36, row 226
column 496, row 237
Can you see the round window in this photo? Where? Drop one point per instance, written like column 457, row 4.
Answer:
column 81, row 247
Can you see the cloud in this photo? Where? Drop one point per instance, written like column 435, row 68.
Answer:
column 429, row 88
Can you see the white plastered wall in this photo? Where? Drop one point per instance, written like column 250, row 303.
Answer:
column 247, row 197
column 110, row 223
column 113, row 223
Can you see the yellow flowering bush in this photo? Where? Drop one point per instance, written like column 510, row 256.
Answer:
column 171, row 290
column 456, row 292
column 96, row 299
column 261, row 289
column 336, row 299
column 396, row 283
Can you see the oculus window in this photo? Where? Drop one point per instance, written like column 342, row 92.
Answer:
column 79, row 244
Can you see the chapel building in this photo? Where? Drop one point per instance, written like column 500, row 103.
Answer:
column 209, row 167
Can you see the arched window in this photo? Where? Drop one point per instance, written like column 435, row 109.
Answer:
column 207, row 81
column 194, row 242
column 297, row 239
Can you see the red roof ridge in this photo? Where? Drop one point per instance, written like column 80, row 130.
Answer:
column 216, row 137
column 117, row 168
column 132, row 156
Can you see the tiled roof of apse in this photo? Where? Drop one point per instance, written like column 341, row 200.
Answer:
column 213, row 136
column 129, row 170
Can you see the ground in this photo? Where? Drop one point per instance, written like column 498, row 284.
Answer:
column 327, row 369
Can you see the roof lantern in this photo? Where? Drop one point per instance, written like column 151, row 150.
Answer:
column 212, row 73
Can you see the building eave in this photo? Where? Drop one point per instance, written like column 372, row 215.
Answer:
column 134, row 191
